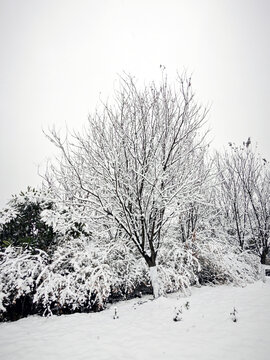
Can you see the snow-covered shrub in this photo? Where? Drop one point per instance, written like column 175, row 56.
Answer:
column 130, row 271
column 178, row 267
column 19, row 269
column 84, row 275
column 77, row 278
column 223, row 263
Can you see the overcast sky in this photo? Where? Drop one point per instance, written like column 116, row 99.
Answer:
column 57, row 57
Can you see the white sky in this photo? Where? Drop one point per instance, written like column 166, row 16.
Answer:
column 58, row 56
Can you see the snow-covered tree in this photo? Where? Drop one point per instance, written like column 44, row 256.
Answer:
column 232, row 200
column 245, row 197
column 137, row 166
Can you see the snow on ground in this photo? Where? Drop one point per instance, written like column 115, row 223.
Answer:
column 145, row 329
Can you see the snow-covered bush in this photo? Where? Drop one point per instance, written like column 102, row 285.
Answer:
column 130, row 270
column 84, row 276
column 19, row 269
column 178, row 267
column 78, row 277
column 223, row 263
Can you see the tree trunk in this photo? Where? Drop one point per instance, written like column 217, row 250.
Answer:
column 263, row 255
column 154, row 280
column 151, row 262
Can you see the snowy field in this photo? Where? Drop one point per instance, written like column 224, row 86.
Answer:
column 145, row 329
